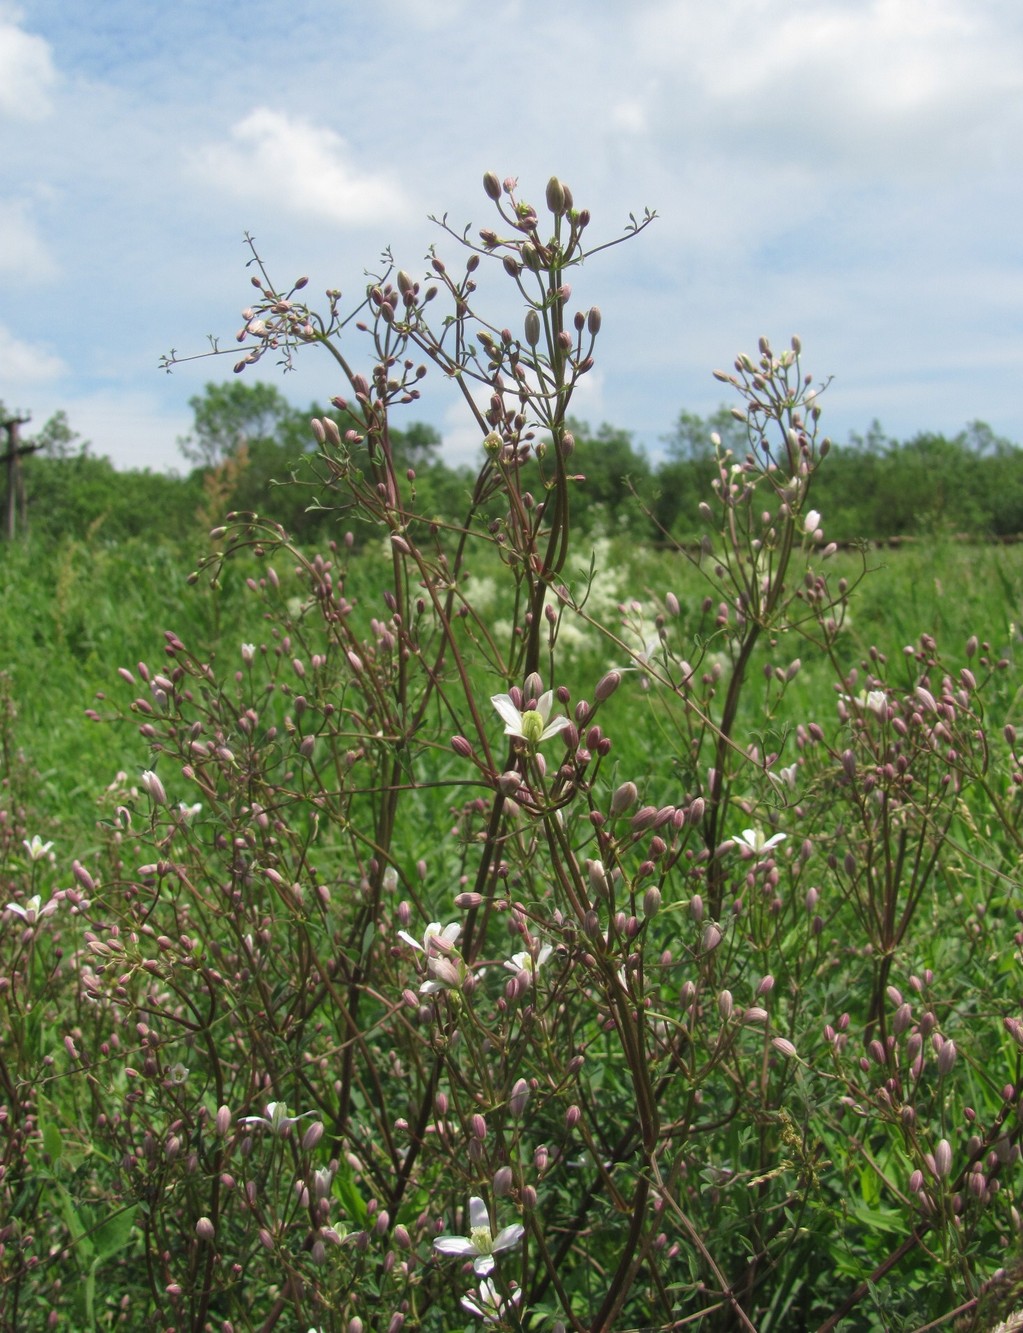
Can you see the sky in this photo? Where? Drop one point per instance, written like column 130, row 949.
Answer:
column 847, row 170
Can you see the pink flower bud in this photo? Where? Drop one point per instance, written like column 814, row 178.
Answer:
column 312, row 1136
column 711, row 937
column 607, row 685
column 204, row 1229
column 152, row 784
column 624, row 797
column 519, row 1097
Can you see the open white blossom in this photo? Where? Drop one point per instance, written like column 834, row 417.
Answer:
column 276, row 1119
column 32, row 910
column 868, row 701
column 531, row 724
column 435, row 939
column 481, row 1244
column 525, row 962
column 756, row 841
column 488, row 1304
column 35, row 847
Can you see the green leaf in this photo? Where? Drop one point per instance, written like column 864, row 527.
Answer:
column 111, row 1236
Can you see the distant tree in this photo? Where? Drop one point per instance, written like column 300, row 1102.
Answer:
column 416, row 447
column 615, row 472
column 227, row 416
column 691, row 437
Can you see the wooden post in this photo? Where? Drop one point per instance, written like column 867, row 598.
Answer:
column 15, row 487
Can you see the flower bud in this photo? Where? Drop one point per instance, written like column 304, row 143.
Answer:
column 519, row 1097
column 555, row 196
column 503, row 1181
column 607, row 685
column 532, row 328
column 624, row 797
column 492, row 187
column 312, row 1136
column 154, row 787
column 711, row 937
column 593, row 321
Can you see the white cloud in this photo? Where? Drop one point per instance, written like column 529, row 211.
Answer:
column 131, row 427
column 23, row 363
column 24, row 253
column 879, row 86
column 301, row 168
column 27, row 73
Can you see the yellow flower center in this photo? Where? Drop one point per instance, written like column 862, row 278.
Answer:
column 482, row 1240
column 532, row 726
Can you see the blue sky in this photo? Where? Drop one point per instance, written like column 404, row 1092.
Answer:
column 849, row 170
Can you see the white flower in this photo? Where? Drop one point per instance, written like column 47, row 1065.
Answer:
column 32, row 910
column 811, row 522
column 753, row 840
column 785, row 776
column 481, row 1244
column 276, row 1118
column 36, row 849
column 189, row 811
column 488, row 1304
column 525, row 962
column 248, row 653
column 530, row 726
column 868, row 701
column 435, row 940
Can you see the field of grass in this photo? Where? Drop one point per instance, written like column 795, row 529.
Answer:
column 71, row 615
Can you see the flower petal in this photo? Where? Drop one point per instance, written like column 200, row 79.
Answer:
column 554, row 726
column 454, row 1245
column 479, row 1218
column 509, row 714
column 508, row 1237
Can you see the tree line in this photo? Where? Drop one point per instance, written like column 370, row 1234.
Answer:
column 248, row 440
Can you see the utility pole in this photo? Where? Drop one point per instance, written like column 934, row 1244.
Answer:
column 15, row 483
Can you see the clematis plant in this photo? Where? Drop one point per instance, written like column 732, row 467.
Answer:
column 481, row 1244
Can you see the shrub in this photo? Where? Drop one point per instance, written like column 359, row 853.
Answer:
column 436, row 972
